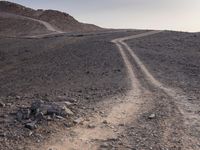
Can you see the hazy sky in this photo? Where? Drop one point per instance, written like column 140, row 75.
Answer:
column 151, row 14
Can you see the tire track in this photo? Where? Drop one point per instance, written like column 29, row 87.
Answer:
column 120, row 110
column 188, row 110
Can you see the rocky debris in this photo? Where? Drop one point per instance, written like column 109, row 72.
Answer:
column 78, row 120
column 2, row 134
column 51, row 108
column 152, row 116
column 67, row 111
column 91, row 126
column 66, row 100
column 2, row 104
column 23, row 113
column 41, row 110
column 31, row 125
column 105, row 145
column 105, row 122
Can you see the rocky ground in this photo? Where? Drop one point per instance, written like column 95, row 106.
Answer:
column 86, row 68
column 13, row 26
column 51, row 85
column 59, row 20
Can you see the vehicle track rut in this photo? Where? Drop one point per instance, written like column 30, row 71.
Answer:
column 127, row 109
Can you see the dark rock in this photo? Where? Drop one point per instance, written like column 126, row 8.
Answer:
column 19, row 116
column 91, row 126
column 2, row 134
column 39, row 116
column 23, row 113
column 2, row 104
column 18, row 97
column 105, row 122
column 31, row 125
column 37, row 104
column 68, row 125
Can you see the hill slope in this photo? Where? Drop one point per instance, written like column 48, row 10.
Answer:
column 59, row 20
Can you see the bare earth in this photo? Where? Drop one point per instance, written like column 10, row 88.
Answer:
column 133, row 89
column 125, row 98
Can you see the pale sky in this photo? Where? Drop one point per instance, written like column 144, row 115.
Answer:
column 181, row 15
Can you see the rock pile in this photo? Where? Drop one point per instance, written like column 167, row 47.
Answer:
column 41, row 110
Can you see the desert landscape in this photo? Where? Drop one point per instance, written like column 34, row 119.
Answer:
column 67, row 85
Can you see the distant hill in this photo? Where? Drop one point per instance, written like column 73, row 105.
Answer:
column 59, row 20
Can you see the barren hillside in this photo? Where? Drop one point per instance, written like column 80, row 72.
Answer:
column 17, row 25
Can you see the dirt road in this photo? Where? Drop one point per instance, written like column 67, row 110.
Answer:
column 122, row 104
column 120, row 111
column 108, row 130
column 48, row 26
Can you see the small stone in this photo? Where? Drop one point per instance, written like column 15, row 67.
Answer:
column 2, row 104
column 49, row 118
column 67, row 111
column 65, row 98
column 31, row 125
column 91, row 126
column 68, row 103
column 19, row 116
column 59, row 117
column 78, row 121
column 152, row 116
column 30, row 133
column 190, row 98
column 39, row 116
column 68, row 125
column 104, row 145
column 105, row 122
column 121, row 124
column 18, row 97
column 9, row 104
column 2, row 134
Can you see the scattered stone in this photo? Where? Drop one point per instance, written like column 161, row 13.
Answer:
column 59, row 117
column 67, row 111
column 91, row 126
column 120, row 143
column 31, row 125
column 121, row 124
column 190, row 98
column 114, row 138
column 152, row 116
column 49, row 118
column 66, row 99
column 23, row 113
column 104, row 145
column 78, row 121
column 19, row 116
column 68, row 103
column 30, row 133
column 2, row 134
column 105, row 122
column 2, row 104
column 18, row 97
column 41, row 110
column 9, row 104
column 68, row 124
column 39, row 116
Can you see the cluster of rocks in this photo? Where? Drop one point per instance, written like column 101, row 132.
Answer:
column 40, row 110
